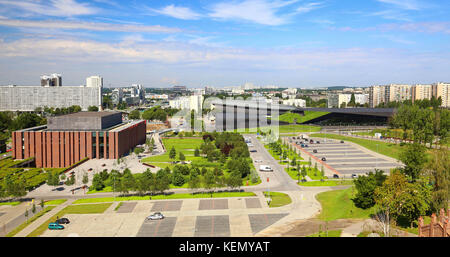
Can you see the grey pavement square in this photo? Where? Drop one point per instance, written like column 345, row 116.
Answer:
column 259, row 222
column 213, row 204
column 167, row 206
column 158, row 228
column 126, row 207
column 212, row 226
column 252, row 203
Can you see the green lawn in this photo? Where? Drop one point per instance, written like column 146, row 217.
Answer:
column 278, row 199
column 290, row 117
column 55, row 202
column 389, row 149
column 330, row 233
column 165, row 197
column 71, row 209
column 185, row 145
column 337, row 204
column 326, row 183
column 26, row 223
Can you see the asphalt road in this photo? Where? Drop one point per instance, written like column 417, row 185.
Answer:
column 279, row 180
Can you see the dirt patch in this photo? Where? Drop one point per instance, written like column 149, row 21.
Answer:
column 313, row 225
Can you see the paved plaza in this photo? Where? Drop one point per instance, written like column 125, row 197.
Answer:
column 221, row 217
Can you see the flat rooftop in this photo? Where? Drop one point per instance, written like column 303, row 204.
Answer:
column 84, row 121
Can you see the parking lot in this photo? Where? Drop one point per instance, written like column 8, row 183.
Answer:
column 223, row 217
column 348, row 158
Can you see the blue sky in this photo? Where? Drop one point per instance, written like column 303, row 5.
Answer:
column 291, row 43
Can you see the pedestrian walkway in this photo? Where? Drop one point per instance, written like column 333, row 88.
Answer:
column 30, row 228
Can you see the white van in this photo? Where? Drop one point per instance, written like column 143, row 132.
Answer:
column 265, row 168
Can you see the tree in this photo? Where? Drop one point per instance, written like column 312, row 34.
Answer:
column 438, row 169
column 294, row 161
column 127, row 182
column 177, row 178
column 134, row 115
column 182, row 157
column 304, row 173
column 162, row 180
column 209, row 181
column 26, row 214
column 97, row 182
column 85, row 179
column 365, row 188
column 33, row 208
column 414, row 158
column 197, row 152
column 234, row 180
column 92, row 108
column 401, row 200
column 172, row 153
column 42, row 204
column 194, row 179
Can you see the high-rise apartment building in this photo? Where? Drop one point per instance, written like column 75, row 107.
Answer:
column 376, row 96
column 420, row 92
column 442, row 90
column 53, row 80
column 94, row 81
column 397, row 93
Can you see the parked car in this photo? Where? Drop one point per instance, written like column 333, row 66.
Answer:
column 354, row 176
column 311, row 141
column 302, row 145
column 314, row 151
column 258, row 161
column 103, row 165
column 63, row 221
column 265, row 168
column 55, row 226
column 90, row 169
column 155, row 216
column 335, row 176
column 306, row 145
column 318, row 142
column 324, row 159
column 342, row 141
column 253, row 151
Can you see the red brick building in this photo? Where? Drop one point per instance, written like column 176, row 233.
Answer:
column 68, row 139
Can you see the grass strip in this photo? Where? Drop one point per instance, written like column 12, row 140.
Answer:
column 330, row 233
column 26, row 223
column 55, row 202
column 326, row 183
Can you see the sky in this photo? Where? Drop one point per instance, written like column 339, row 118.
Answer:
column 291, row 43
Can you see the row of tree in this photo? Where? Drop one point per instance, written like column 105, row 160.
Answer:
column 148, row 182
column 427, row 125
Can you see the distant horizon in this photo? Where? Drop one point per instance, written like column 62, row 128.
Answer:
column 291, row 43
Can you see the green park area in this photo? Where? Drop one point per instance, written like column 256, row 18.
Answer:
column 71, row 209
column 216, row 160
column 17, row 177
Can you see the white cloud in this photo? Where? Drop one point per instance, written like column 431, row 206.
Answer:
column 92, row 26
column 178, row 12
column 404, row 4
column 58, row 8
column 256, row 11
column 308, row 7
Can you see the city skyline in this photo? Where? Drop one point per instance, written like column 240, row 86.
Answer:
column 226, row 43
